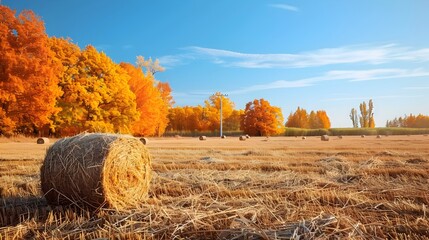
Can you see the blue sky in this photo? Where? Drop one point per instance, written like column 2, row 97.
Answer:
column 329, row 55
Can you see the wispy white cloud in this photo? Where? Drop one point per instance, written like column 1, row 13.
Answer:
column 321, row 57
column 170, row 61
column 351, row 76
column 285, row 7
column 372, row 97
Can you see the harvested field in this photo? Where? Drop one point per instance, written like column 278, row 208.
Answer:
column 350, row 188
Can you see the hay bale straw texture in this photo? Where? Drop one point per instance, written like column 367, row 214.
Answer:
column 43, row 140
column 203, row 138
column 324, row 138
column 144, row 140
column 97, row 170
column 242, row 138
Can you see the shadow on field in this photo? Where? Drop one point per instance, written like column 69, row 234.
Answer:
column 14, row 210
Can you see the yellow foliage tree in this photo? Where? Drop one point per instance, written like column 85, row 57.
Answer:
column 96, row 95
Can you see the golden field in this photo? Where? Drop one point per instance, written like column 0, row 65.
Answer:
column 261, row 188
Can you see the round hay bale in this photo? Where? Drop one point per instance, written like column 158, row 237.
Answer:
column 324, row 138
column 247, row 136
column 97, row 170
column 144, row 140
column 303, row 138
column 203, row 138
column 242, row 138
column 362, row 136
column 340, row 137
column 378, row 136
column 43, row 140
column 223, row 136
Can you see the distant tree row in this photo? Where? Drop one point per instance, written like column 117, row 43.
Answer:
column 301, row 119
column 259, row 118
column 410, row 121
column 51, row 85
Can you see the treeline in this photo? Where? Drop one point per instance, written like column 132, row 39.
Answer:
column 258, row 118
column 410, row 121
column 49, row 85
column 356, row 131
column 301, row 119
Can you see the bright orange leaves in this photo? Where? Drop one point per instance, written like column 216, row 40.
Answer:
column 301, row 119
column 28, row 84
column 262, row 119
column 51, row 84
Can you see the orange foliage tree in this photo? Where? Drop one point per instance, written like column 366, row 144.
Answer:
column 96, row 95
column 152, row 102
column 28, row 84
column 300, row 119
column 262, row 119
column 410, row 121
column 207, row 118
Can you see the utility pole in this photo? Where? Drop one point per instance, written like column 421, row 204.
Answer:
column 221, row 96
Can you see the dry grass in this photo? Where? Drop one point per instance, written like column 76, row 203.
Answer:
column 350, row 188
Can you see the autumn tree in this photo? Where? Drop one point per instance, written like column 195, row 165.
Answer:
column 149, row 65
column 354, row 117
column 298, row 119
column 410, row 121
column 366, row 117
column 96, row 95
column 323, row 119
column 212, row 108
column 28, row 84
column 232, row 123
column 262, row 119
column 152, row 106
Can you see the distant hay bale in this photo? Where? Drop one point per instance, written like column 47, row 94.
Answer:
column 304, row 138
column 324, row 138
column 247, row 136
column 242, row 138
column 43, row 140
column 203, row 138
column 362, row 136
column 223, row 136
column 97, row 170
column 177, row 136
column 340, row 137
column 144, row 140
column 378, row 136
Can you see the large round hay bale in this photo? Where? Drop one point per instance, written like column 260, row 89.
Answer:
column 203, row 138
column 303, row 138
column 362, row 136
column 144, row 140
column 247, row 136
column 43, row 140
column 242, row 138
column 324, row 138
column 340, row 137
column 223, row 136
column 97, row 170
column 378, row 136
